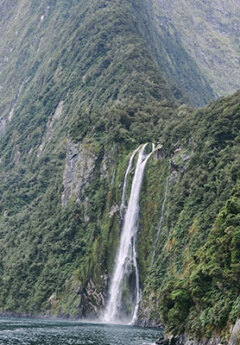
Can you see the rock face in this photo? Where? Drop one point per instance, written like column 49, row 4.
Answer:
column 86, row 300
column 6, row 113
column 50, row 127
column 215, row 340
column 184, row 340
column 79, row 167
column 235, row 334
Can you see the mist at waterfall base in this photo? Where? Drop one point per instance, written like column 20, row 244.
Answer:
column 21, row 331
column 124, row 291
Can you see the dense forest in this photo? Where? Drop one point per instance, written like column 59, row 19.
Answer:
column 83, row 84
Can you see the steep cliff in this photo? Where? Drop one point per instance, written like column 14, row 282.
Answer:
column 194, row 277
column 83, row 84
column 79, row 87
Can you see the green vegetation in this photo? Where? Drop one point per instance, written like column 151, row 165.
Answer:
column 97, row 62
column 205, row 297
column 208, row 33
column 196, row 271
column 172, row 56
column 84, row 85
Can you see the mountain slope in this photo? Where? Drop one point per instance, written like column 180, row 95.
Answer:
column 79, row 86
column 209, row 31
column 195, row 272
column 83, row 83
column 173, row 57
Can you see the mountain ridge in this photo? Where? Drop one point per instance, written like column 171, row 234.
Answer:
column 85, row 84
column 209, row 31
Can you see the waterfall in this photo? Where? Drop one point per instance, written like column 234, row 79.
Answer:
column 123, row 201
column 126, row 259
column 161, row 220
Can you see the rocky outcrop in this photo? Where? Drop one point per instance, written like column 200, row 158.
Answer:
column 80, row 300
column 214, row 340
column 50, row 128
column 146, row 317
column 93, row 299
column 235, row 334
column 6, row 115
column 114, row 209
column 79, row 168
column 184, row 340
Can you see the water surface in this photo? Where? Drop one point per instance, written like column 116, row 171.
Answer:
column 19, row 331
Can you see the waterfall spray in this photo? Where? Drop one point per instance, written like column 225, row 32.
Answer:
column 123, row 201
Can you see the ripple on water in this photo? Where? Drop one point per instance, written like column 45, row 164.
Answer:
column 15, row 331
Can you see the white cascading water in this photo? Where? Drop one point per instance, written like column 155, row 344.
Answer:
column 161, row 220
column 127, row 254
column 123, row 201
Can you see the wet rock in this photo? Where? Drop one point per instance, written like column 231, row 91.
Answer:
column 162, row 341
column 170, row 341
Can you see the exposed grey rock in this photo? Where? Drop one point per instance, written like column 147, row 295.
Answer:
column 10, row 116
column 6, row 115
column 84, row 204
column 107, row 162
column 17, row 157
column 145, row 318
column 50, row 128
column 114, row 209
column 96, row 296
column 92, row 299
column 162, row 342
column 235, row 334
column 160, row 152
column 113, row 178
column 185, row 340
column 53, row 300
column 179, row 163
column 79, row 168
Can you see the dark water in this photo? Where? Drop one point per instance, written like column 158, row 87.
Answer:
column 16, row 331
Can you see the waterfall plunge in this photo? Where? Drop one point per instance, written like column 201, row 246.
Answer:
column 126, row 259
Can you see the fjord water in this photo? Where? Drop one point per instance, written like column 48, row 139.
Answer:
column 126, row 265
column 18, row 331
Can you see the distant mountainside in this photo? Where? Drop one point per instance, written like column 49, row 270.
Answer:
column 173, row 59
column 210, row 33
column 82, row 85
